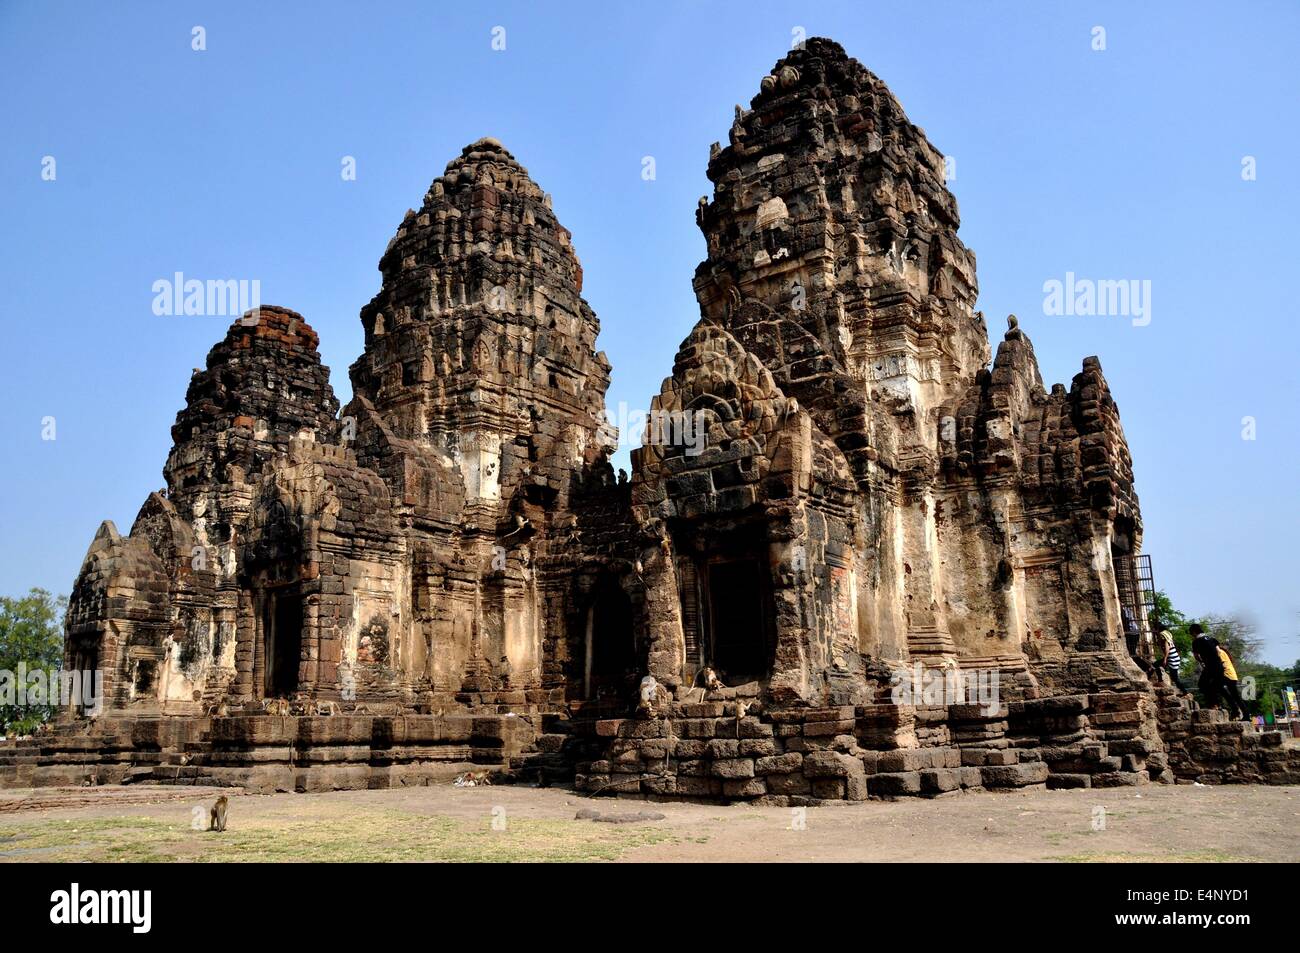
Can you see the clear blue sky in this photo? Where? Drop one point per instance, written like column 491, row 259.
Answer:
column 226, row 163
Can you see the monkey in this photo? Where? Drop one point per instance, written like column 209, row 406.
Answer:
column 706, row 680
column 645, row 706
column 521, row 524
column 652, row 696
column 741, row 709
column 217, row 816
column 275, row 706
column 328, row 709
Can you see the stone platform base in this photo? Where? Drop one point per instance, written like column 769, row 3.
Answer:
column 695, row 751
column 805, row 756
column 264, row 753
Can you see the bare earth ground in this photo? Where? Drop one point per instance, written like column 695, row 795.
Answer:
column 446, row 823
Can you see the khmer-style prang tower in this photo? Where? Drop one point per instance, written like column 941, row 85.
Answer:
column 861, row 553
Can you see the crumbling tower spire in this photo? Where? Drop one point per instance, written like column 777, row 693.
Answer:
column 480, row 398
column 479, row 343
column 831, row 208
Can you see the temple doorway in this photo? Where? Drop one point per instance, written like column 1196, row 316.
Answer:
column 741, row 640
column 85, row 663
column 282, row 631
column 612, row 665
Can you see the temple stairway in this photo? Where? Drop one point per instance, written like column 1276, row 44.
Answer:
column 1208, row 747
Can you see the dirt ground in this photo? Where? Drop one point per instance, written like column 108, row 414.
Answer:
column 516, row 823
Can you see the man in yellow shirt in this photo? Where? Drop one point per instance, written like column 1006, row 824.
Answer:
column 1214, row 681
column 1231, row 687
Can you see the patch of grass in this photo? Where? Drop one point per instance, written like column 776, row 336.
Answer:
column 1193, row 857
column 383, row 836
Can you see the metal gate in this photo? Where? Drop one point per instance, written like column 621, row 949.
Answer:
column 1137, row 591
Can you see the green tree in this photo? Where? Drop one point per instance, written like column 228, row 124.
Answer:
column 31, row 635
column 1235, row 635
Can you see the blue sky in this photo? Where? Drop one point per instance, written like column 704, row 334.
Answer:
column 1119, row 164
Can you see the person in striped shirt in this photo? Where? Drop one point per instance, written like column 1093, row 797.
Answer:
column 1170, row 658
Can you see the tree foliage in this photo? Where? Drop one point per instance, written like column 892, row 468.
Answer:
column 31, row 636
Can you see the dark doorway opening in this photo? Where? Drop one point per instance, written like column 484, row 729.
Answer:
column 86, row 666
column 283, row 633
column 612, row 659
column 740, row 625
column 145, row 677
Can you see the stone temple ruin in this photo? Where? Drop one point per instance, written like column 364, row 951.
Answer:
column 860, row 553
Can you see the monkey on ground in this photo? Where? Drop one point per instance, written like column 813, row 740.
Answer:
column 217, row 815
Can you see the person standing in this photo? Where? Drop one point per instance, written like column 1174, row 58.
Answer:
column 1205, row 649
column 1213, row 683
column 1230, row 687
column 1171, row 660
column 1133, row 639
